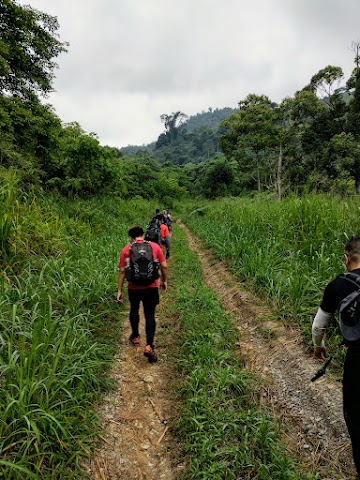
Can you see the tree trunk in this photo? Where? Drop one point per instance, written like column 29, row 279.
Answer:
column 258, row 174
column 279, row 172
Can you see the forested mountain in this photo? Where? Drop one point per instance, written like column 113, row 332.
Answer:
column 193, row 139
column 309, row 140
column 210, row 119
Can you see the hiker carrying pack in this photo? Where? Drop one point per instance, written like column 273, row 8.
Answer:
column 153, row 231
column 342, row 294
column 141, row 263
column 349, row 310
column 141, row 268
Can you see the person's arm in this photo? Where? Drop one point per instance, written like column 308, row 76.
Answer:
column 121, row 279
column 319, row 327
column 163, row 282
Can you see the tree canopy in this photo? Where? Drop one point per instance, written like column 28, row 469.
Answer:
column 309, row 140
column 28, row 46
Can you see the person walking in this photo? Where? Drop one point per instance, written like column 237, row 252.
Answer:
column 335, row 292
column 141, row 261
column 164, row 235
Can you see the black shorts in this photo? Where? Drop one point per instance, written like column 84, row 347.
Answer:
column 149, row 296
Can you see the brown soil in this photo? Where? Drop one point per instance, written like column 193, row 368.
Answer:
column 137, row 440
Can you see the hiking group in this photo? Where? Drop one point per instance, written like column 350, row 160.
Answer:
column 143, row 264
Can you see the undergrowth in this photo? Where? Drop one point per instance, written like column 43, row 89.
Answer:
column 288, row 251
column 59, row 326
column 224, row 433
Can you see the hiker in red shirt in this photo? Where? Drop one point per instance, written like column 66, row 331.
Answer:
column 165, row 235
column 137, row 259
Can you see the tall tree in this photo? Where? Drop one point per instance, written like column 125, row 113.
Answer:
column 326, row 79
column 28, row 45
column 250, row 135
column 172, row 124
column 353, row 117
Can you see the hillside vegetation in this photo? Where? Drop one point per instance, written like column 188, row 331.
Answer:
column 271, row 188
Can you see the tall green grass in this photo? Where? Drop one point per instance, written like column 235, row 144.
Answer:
column 59, row 327
column 224, row 433
column 287, row 250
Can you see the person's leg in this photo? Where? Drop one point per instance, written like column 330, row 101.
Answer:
column 150, row 299
column 167, row 247
column 134, row 298
column 351, row 401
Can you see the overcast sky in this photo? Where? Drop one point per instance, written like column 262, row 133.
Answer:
column 129, row 61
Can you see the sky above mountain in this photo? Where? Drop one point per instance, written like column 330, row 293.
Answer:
column 129, row 61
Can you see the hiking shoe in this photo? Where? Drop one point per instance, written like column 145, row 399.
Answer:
column 150, row 354
column 135, row 340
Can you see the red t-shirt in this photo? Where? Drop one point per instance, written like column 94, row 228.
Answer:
column 158, row 257
column 164, row 232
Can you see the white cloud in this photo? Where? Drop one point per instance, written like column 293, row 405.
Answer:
column 128, row 62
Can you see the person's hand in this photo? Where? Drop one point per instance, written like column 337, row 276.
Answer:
column 320, row 353
column 163, row 286
column 120, row 297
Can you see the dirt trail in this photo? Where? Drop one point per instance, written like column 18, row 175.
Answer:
column 137, row 442
column 311, row 413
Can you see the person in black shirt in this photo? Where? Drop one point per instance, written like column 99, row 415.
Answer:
column 334, row 293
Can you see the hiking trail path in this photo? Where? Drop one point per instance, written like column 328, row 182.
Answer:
column 137, row 443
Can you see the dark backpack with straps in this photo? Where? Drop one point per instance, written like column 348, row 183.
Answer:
column 153, row 231
column 142, row 269
column 349, row 310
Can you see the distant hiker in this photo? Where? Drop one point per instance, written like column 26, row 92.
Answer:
column 153, row 229
column 140, row 261
column 336, row 298
column 168, row 219
column 164, row 235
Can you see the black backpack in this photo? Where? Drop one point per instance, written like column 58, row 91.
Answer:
column 153, row 231
column 349, row 310
column 142, row 269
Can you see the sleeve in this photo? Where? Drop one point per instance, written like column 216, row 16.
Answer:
column 159, row 255
column 123, row 255
column 330, row 301
column 320, row 324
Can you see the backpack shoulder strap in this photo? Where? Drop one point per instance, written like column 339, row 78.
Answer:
column 352, row 277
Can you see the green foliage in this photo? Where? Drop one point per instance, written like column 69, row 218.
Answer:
column 289, row 251
column 144, row 177
column 343, row 157
column 192, row 140
column 172, row 125
column 219, row 179
column 59, row 329
column 28, row 45
column 30, row 224
column 8, row 183
column 82, row 167
column 353, row 117
column 223, row 432
column 208, row 120
column 302, row 142
column 29, row 137
column 250, row 134
column 325, row 79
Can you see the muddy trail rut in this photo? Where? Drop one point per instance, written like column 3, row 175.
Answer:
column 137, row 443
